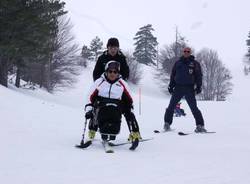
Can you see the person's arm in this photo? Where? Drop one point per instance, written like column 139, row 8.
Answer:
column 92, row 95
column 198, row 75
column 98, row 70
column 126, row 95
column 172, row 76
column 124, row 68
column 128, row 112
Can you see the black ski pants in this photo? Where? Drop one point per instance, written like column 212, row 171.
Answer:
column 189, row 94
column 130, row 119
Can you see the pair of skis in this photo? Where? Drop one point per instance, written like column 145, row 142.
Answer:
column 108, row 146
column 184, row 133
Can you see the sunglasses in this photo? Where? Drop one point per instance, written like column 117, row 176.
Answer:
column 186, row 51
column 112, row 71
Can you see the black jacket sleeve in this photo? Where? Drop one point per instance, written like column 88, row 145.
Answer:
column 127, row 101
column 98, row 70
column 172, row 76
column 198, row 74
column 124, row 68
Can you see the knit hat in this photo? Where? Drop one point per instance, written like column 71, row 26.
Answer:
column 113, row 42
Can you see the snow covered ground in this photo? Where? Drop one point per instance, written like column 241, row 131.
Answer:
column 38, row 132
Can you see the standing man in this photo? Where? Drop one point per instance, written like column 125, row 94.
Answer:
column 113, row 53
column 185, row 80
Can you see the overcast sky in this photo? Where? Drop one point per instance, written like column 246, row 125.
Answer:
column 222, row 25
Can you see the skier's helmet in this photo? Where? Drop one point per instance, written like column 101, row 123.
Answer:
column 112, row 65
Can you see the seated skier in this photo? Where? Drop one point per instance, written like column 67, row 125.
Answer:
column 113, row 52
column 108, row 98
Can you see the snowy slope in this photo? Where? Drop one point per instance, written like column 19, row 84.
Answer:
column 38, row 132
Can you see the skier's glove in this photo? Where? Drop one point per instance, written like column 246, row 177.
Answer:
column 170, row 89
column 198, row 90
column 89, row 115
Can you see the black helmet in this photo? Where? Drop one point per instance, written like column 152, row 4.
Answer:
column 112, row 65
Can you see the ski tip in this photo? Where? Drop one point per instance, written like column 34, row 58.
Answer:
column 78, row 146
column 182, row 133
column 156, row 131
column 85, row 145
column 109, row 151
column 164, row 131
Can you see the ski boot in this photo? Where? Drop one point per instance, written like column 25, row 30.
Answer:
column 166, row 127
column 130, row 137
column 91, row 134
column 200, row 129
column 135, row 136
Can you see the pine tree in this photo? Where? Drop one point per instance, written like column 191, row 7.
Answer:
column 145, row 45
column 86, row 53
column 96, row 47
column 28, row 30
column 7, row 47
column 48, row 16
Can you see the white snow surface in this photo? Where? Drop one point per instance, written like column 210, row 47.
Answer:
column 38, row 132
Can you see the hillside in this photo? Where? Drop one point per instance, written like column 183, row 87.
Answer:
column 38, row 132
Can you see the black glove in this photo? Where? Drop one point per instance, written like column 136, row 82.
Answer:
column 89, row 115
column 198, row 90
column 170, row 89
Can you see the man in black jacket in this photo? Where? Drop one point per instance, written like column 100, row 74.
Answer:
column 185, row 80
column 113, row 53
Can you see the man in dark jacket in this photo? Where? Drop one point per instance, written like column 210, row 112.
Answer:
column 113, row 53
column 185, row 80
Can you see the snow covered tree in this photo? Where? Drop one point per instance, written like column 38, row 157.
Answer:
column 246, row 70
column 247, row 59
column 64, row 61
column 216, row 77
column 96, row 47
column 168, row 56
column 145, row 45
column 135, row 72
column 86, row 53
